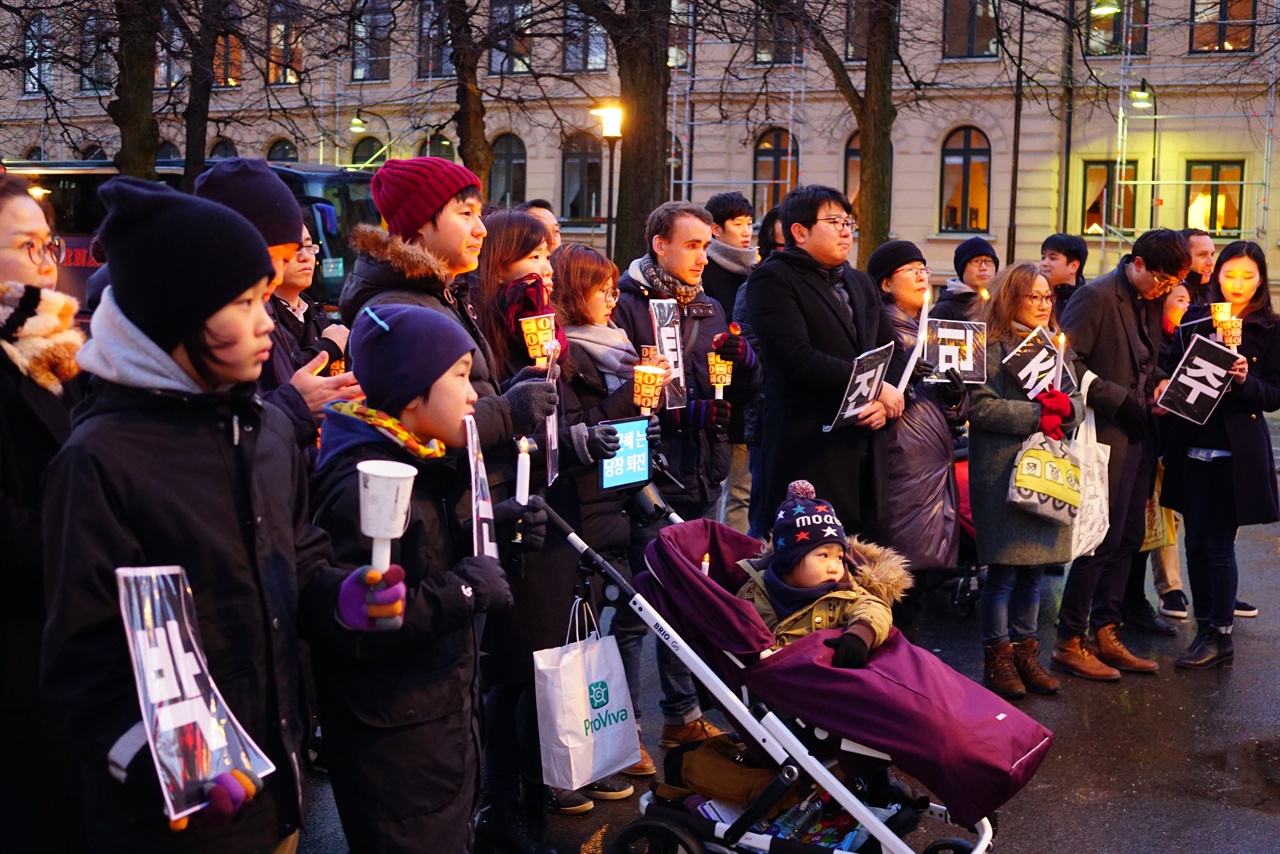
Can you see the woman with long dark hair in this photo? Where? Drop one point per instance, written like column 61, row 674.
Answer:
column 1014, row 545
column 1219, row 475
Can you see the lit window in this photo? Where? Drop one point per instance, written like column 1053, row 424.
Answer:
column 1106, row 27
column 284, row 42
column 1100, row 197
column 966, row 190
column 776, row 165
column 1222, row 25
column 1215, row 190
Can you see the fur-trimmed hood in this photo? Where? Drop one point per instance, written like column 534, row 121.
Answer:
column 389, row 263
column 881, row 571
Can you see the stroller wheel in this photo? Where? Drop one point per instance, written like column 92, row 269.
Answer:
column 655, row 836
column 949, row 846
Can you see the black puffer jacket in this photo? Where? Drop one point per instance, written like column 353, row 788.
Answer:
column 389, row 270
column 213, row 483
column 400, row 705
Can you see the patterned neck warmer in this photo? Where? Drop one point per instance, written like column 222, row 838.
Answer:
column 38, row 333
column 667, row 284
column 392, row 429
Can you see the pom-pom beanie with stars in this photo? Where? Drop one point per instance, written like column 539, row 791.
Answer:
column 803, row 522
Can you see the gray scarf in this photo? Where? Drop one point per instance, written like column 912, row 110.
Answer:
column 732, row 258
column 609, row 349
column 121, row 353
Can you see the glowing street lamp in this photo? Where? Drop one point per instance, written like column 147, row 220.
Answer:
column 611, row 130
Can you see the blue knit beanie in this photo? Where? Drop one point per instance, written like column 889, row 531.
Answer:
column 252, row 189
column 399, row 351
column 803, row 523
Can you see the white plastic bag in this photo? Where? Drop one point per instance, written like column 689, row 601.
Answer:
column 1094, row 518
column 586, row 726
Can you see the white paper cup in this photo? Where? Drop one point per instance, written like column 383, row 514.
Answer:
column 385, row 488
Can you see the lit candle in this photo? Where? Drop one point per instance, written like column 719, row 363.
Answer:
column 706, row 564
column 1057, row 368
column 522, row 472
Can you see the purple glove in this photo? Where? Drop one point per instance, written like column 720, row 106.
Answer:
column 371, row 600
column 734, row 348
column 226, row 793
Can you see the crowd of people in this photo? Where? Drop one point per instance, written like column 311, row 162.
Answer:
column 217, row 423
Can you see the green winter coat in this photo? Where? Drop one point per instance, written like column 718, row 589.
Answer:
column 879, row 578
column 1000, row 420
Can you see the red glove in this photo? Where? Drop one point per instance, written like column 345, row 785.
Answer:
column 1054, row 402
column 1051, row 425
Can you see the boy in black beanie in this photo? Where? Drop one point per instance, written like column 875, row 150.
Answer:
column 811, row 578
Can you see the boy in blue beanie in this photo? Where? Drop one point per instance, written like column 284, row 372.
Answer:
column 810, row 578
column 402, row 718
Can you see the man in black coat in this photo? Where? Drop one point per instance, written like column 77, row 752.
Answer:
column 1113, row 324
column 814, row 314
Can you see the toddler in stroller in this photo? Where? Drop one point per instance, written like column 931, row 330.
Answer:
column 810, row 578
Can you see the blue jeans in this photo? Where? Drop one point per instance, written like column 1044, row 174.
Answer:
column 1210, row 518
column 1010, row 604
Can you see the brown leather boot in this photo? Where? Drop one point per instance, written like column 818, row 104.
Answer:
column 999, row 673
column 1074, row 656
column 1026, row 657
column 1111, row 651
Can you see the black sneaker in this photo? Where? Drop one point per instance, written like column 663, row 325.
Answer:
column 1244, row 609
column 569, row 802
column 607, row 790
column 1174, row 604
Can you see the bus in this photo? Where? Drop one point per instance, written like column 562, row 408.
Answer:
column 334, row 201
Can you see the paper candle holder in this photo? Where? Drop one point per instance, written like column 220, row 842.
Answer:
column 648, row 387
column 721, row 370
column 538, row 330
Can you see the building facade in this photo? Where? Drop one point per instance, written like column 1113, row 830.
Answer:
column 1140, row 114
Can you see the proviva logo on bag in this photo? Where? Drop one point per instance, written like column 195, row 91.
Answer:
column 598, row 696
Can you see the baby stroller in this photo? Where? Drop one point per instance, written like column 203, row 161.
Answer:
column 987, row 752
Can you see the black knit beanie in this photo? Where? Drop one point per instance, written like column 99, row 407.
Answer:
column 974, row 247
column 888, row 257
column 176, row 260
column 250, row 188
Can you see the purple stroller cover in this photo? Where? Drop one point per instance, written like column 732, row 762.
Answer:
column 969, row 747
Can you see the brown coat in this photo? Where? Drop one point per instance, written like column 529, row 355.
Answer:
column 878, row 580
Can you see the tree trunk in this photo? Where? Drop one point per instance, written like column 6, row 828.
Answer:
column 195, row 117
column 473, row 144
column 644, row 80
column 132, row 108
column 875, row 128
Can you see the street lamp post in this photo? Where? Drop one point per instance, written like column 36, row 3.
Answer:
column 611, row 120
column 1144, row 98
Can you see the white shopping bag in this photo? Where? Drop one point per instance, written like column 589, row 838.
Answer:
column 586, row 725
column 1094, row 519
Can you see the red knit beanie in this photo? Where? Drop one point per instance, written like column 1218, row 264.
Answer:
column 409, row 192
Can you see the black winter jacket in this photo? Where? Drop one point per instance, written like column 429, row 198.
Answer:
column 400, row 705
column 1242, row 414
column 809, row 345
column 214, row 483
column 699, row 459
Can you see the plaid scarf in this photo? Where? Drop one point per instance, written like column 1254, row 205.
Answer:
column 665, row 283
column 392, row 429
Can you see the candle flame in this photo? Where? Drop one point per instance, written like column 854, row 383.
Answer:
column 523, row 445
column 984, row 293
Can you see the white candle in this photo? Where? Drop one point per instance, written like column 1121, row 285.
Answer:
column 1057, row 368
column 522, row 472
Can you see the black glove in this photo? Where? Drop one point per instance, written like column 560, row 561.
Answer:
column 712, row 415
column 735, row 348
column 653, row 432
column 850, row 651
column 531, row 372
column 922, row 370
column 603, row 442
column 488, row 583
column 953, row 390
column 530, row 404
column 532, row 520
column 1132, row 419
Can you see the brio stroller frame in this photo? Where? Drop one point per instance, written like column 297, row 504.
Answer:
column 764, row 727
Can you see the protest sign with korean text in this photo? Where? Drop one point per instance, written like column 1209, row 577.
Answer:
column 666, row 332
column 484, row 540
column 1034, row 362
column 1199, row 381
column 630, row 466
column 192, row 733
column 956, row 344
column 864, row 385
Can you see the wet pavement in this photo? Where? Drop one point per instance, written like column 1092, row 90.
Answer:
column 1179, row 761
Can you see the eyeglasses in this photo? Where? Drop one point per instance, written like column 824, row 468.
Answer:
column 915, row 271
column 840, row 223
column 610, row 294
column 1042, row 299
column 313, row 250
column 984, row 261
column 38, row 252
column 1168, row 284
